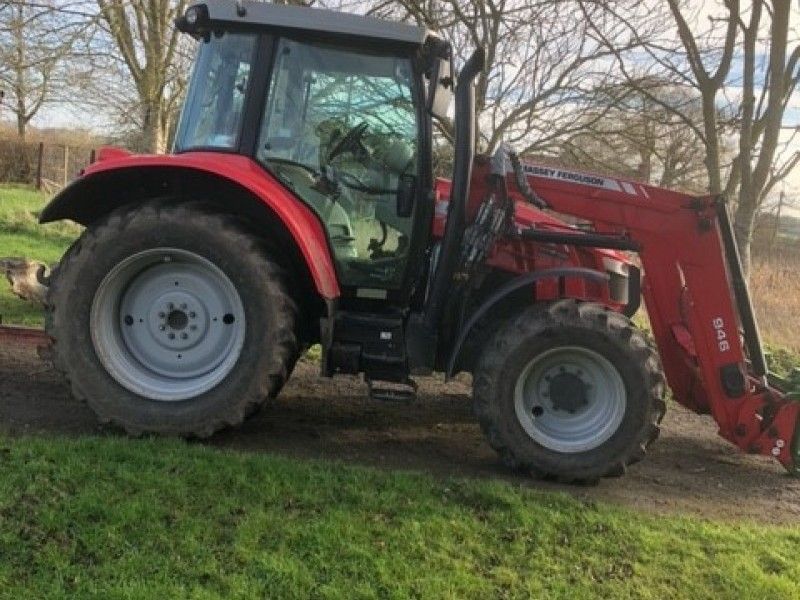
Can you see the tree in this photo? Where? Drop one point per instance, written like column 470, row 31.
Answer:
column 149, row 46
column 743, row 66
column 543, row 70
column 637, row 137
column 36, row 41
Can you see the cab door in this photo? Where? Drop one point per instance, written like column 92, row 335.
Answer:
column 341, row 129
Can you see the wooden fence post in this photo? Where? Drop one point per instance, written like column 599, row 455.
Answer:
column 39, row 153
column 66, row 165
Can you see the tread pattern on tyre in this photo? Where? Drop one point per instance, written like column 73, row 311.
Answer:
column 542, row 320
column 285, row 348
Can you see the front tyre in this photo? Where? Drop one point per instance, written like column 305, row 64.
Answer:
column 171, row 320
column 571, row 390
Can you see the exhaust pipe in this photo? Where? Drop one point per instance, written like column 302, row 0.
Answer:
column 462, row 172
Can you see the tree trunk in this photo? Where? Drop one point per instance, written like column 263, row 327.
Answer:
column 744, row 223
column 26, row 278
column 154, row 138
column 21, row 127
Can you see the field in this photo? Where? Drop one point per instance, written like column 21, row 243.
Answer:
column 326, row 494
column 775, row 284
column 21, row 235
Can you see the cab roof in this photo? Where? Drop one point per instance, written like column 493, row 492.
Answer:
column 314, row 20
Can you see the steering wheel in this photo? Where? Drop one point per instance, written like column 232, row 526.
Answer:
column 351, row 142
column 294, row 163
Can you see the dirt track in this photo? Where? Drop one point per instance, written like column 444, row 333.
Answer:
column 688, row 470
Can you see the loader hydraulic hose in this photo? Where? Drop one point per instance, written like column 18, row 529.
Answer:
column 522, row 183
column 462, row 172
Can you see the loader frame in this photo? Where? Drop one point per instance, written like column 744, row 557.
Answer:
column 696, row 298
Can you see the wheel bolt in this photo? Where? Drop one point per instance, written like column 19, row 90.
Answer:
column 193, row 327
column 192, row 315
column 161, row 315
column 161, row 328
column 184, row 336
column 183, row 307
column 171, row 306
column 171, row 336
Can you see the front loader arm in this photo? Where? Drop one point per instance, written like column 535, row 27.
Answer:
column 698, row 307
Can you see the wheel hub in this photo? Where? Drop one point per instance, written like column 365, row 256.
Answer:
column 568, row 392
column 177, row 320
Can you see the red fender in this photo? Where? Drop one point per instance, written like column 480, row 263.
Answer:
column 301, row 222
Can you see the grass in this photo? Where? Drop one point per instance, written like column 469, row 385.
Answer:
column 21, row 235
column 113, row 518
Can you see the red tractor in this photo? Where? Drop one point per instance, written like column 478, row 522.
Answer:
column 300, row 206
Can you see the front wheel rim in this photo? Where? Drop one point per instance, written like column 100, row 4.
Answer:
column 570, row 399
column 167, row 324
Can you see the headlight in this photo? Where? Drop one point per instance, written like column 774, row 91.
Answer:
column 618, row 272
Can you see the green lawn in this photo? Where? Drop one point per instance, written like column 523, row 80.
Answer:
column 21, row 235
column 115, row 518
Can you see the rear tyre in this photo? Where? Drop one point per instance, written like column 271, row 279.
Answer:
column 171, row 320
column 571, row 391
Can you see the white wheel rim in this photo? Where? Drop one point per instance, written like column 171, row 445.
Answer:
column 570, row 399
column 167, row 324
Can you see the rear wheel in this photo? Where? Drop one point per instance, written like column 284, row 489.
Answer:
column 571, row 390
column 171, row 320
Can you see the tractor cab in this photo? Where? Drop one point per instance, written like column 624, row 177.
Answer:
column 333, row 106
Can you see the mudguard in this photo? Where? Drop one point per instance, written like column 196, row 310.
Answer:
column 507, row 289
column 120, row 178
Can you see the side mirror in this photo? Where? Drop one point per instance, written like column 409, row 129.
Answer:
column 440, row 88
column 406, row 191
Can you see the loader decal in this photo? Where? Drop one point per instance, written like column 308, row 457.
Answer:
column 722, row 336
column 581, row 178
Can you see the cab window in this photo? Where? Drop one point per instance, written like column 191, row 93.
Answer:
column 341, row 131
column 212, row 116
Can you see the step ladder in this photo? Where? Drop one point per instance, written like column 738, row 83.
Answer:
column 393, row 391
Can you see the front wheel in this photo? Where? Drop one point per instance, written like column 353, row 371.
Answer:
column 571, row 390
column 171, row 320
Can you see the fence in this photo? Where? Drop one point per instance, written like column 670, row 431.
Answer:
column 46, row 166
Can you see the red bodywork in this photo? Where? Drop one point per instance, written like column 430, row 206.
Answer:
column 302, row 223
column 523, row 256
column 686, row 289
